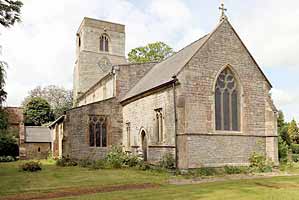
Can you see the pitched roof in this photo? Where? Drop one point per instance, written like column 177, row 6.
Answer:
column 37, row 134
column 162, row 72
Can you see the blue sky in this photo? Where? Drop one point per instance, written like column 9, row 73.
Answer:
column 41, row 50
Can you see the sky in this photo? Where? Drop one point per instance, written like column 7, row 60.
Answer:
column 41, row 49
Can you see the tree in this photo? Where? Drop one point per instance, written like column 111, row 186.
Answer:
column 283, row 129
column 293, row 130
column 59, row 98
column 37, row 111
column 10, row 11
column 153, row 52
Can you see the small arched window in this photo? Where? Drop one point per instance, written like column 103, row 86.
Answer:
column 104, row 43
column 227, row 102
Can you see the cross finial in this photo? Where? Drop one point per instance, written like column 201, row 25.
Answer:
column 223, row 9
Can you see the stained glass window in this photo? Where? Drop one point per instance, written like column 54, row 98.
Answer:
column 227, row 102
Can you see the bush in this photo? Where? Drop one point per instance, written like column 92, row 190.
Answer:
column 66, row 162
column 167, row 161
column 116, row 157
column 235, row 170
column 7, row 159
column 295, row 148
column 259, row 163
column 31, row 166
column 143, row 166
column 295, row 157
column 132, row 160
column 98, row 164
column 204, row 171
column 8, row 145
column 92, row 164
column 283, row 150
column 85, row 163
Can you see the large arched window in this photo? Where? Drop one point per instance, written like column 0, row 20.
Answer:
column 227, row 102
column 104, row 43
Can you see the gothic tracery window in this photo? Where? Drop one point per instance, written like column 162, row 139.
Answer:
column 227, row 102
column 97, row 131
column 104, row 43
column 159, row 125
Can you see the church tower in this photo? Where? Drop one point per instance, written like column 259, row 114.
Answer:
column 99, row 46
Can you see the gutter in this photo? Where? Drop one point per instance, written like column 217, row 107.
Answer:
column 175, row 80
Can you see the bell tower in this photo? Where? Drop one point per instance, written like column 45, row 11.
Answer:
column 99, row 46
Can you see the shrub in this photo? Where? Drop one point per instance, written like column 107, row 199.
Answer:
column 8, row 145
column 92, row 164
column 131, row 160
column 235, row 170
column 143, row 165
column 98, row 164
column 7, row 159
column 31, row 166
column 295, row 148
column 259, row 163
column 167, row 161
column 295, row 157
column 85, row 163
column 283, row 150
column 206, row 171
column 116, row 157
column 66, row 162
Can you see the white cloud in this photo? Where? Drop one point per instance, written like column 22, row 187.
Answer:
column 288, row 102
column 271, row 32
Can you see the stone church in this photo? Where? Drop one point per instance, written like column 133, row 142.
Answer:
column 208, row 104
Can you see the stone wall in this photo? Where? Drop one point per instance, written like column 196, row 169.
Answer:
column 128, row 75
column 76, row 129
column 141, row 116
column 196, row 114
column 36, row 150
column 221, row 150
column 102, row 90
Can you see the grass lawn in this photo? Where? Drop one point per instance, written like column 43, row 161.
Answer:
column 51, row 178
column 278, row 188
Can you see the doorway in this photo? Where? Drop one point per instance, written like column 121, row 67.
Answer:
column 144, row 145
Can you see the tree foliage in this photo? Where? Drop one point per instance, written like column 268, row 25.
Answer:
column 59, row 98
column 37, row 111
column 10, row 11
column 293, row 130
column 153, row 52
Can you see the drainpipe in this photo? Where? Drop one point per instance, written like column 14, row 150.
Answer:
column 175, row 80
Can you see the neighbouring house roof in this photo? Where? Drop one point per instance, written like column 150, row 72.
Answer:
column 58, row 120
column 162, row 73
column 37, row 134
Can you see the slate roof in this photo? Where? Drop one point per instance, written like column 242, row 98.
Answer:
column 37, row 134
column 162, row 73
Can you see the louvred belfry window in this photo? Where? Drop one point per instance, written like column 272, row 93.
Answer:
column 104, row 43
column 227, row 105
column 97, row 131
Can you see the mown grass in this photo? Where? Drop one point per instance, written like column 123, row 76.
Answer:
column 53, row 178
column 277, row 188
column 13, row 181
